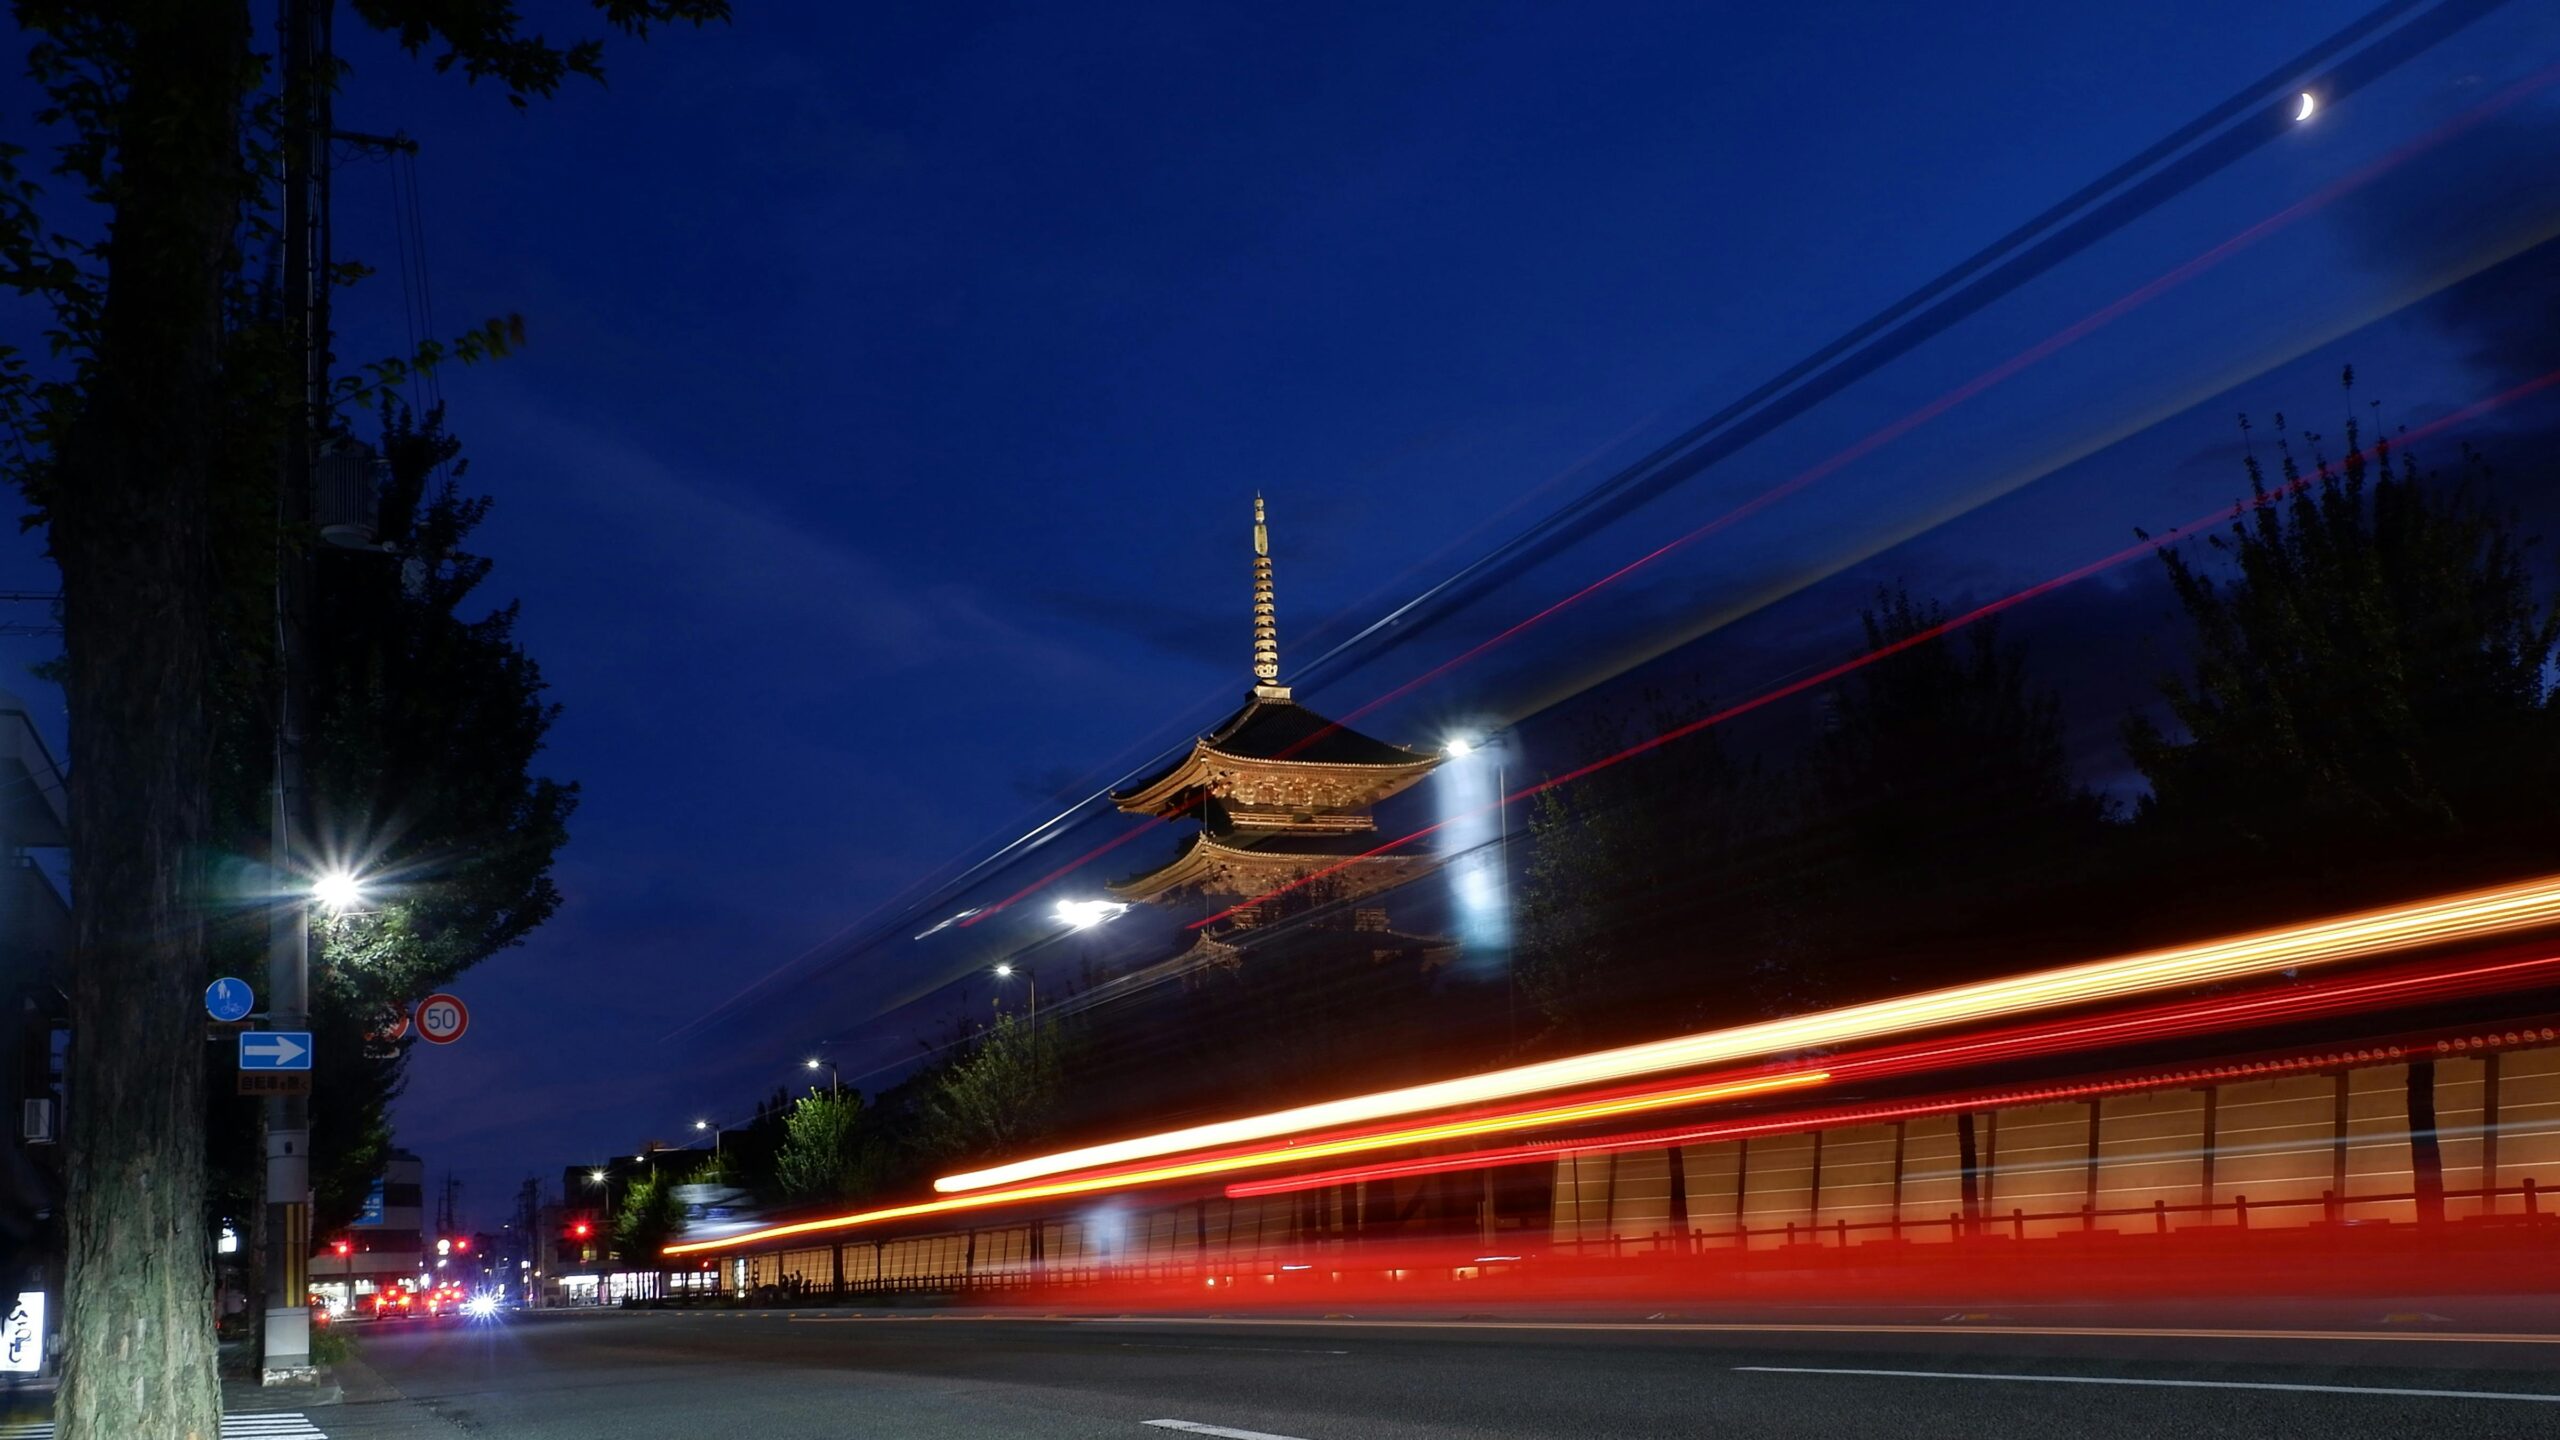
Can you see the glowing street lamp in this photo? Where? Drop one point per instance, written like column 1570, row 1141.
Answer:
column 338, row 892
column 1006, row 970
column 1083, row 915
column 835, row 1082
column 700, row 1125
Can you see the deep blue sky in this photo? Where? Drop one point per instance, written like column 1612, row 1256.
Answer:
column 900, row 377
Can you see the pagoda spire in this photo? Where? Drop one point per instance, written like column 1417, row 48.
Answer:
column 1266, row 617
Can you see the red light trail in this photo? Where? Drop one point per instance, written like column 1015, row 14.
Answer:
column 1990, row 1099
column 2397, row 987
column 1160, row 1162
column 2474, row 915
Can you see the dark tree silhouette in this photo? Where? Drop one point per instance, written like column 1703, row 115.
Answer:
column 162, row 384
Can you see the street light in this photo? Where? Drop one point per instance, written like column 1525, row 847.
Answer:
column 1085, row 914
column 700, row 1125
column 1006, row 970
column 835, row 1082
column 338, row 892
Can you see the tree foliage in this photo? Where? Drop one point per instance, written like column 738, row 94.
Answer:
column 132, row 436
column 648, row 1220
column 1688, row 885
column 998, row 1094
column 2372, row 663
column 830, row 1151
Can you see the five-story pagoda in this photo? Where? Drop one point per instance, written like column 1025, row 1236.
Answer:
column 1279, row 792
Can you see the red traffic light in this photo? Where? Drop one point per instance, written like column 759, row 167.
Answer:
column 344, row 1247
column 462, row 1247
column 581, row 1230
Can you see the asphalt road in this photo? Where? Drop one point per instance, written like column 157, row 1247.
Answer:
column 828, row 1375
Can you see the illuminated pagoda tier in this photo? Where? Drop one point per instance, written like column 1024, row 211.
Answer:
column 1279, row 792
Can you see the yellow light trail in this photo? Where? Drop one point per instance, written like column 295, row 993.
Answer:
column 2469, row 916
column 1281, row 1155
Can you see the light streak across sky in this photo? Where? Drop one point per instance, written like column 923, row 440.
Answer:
column 2475, row 915
column 1798, row 1122
column 1198, row 1167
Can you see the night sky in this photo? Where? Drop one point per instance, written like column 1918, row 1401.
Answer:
column 878, row 475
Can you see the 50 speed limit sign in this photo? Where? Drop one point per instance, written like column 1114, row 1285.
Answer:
column 442, row 1019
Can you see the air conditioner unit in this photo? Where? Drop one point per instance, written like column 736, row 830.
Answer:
column 35, row 1122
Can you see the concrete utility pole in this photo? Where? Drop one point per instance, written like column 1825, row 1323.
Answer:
column 305, row 59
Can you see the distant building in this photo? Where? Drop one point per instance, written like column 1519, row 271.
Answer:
column 35, row 984
column 385, row 1245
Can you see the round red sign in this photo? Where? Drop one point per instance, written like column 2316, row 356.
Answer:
column 442, row 1019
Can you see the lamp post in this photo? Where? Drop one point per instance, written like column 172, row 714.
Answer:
column 835, row 1082
column 701, row 1125
column 1007, row 970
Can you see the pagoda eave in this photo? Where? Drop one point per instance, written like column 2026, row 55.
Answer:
column 1218, row 869
column 1258, row 783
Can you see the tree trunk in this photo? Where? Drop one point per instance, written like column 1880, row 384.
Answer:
column 2426, row 1152
column 128, row 518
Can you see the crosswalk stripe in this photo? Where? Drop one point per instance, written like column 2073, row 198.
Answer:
column 263, row 1425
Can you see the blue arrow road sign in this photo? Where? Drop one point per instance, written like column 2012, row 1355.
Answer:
column 275, row 1049
column 227, row 999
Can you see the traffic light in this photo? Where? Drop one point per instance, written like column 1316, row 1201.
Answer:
column 462, row 1247
column 344, row 1248
column 580, row 1230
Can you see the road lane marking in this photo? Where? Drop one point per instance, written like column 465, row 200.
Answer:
column 2526, row 1395
column 1194, row 1427
column 1217, row 1349
column 252, row 1425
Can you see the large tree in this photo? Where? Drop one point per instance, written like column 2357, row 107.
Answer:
column 2370, row 694
column 121, row 437
column 1939, row 810
column 1644, row 880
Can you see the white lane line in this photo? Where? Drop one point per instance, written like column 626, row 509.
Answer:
column 263, row 1425
column 1222, row 1349
column 1194, row 1427
column 2162, row 1384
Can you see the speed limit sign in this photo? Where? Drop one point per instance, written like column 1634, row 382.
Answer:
column 442, row 1019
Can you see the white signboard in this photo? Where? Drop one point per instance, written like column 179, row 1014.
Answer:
column 22, row 1346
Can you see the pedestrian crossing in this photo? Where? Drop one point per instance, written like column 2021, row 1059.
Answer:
column 251, row 1425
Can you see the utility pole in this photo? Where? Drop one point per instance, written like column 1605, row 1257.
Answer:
column 305, row 55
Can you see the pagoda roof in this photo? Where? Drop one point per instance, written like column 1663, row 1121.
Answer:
column 1276, row 732
column 1271, row 860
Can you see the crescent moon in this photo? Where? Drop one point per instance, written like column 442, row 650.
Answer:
column 2308, row 105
